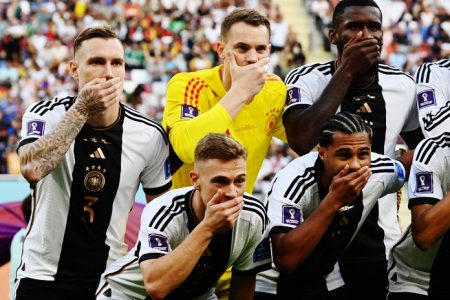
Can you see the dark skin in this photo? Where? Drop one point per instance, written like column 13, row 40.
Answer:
column 358, row 36
column 347, row 162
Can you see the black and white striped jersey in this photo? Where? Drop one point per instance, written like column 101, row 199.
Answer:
column 165, row 224
column 80, row 210
column 411, row 269
column 388, row 106
column 433, row 97
column 387, row 103
column 297, row 192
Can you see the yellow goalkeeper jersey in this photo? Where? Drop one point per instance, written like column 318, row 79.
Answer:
column 193, row 110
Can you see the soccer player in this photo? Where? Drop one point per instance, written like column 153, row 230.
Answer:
column 420, row 261
column 433, row 97
column 384, row 97
column 189, row 236
column 239, row 98
column 320, row 200
column 85, row 157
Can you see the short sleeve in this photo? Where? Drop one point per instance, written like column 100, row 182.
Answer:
column 153, row 243
column 424, row 185
column 432, row 95
column 156, row 177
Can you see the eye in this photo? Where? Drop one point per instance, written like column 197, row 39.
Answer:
column 240, row 181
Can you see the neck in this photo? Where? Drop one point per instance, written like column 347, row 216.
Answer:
column 325, row 181
column 198, row 206
column 105, row 118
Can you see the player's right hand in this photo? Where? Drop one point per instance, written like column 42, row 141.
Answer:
column 346, row 187
column 359, row 54
column 221, row 214
column 99, row 94
column 249, row 79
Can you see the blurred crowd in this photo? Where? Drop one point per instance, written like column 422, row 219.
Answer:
column 164, row 37
column 415, row 31
column 161, row 38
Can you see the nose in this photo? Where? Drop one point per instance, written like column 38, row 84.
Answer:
column 252, row 56
column 366, row 33
column 108, row 71
column 354, row 164
column 230, row 191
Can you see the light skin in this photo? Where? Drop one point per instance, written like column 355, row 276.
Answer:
column 217, row 203
column 99, row 69
column 358, row 36
column 347, row 171
column 245, row 51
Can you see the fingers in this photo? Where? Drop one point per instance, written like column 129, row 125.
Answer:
column 354, row 39
column 217, row 198
column 230, row 59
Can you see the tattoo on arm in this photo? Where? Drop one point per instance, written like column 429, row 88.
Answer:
column 41, row 157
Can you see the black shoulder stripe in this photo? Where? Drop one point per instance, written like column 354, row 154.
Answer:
column 423, row 74
column 261, row 213
column 324, row 68
column 299, row 180
column 42, row 107
column 162, row 212
column 445, row 63
column 393, row 72
column 431, row 121
column 428, row 148
column 382, row 165
column 138, row 117
column 380, row 159
column 383, row 171
column 305, row 187
column 271, row 187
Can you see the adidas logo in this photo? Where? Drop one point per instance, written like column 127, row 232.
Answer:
column 98, row 154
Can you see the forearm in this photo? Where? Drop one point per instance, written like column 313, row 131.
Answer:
column 41, row 157
column 185, row 135
column 429, row 225
column 303, row 125
column 293, row 248
column 242, row 287
column 165, row 274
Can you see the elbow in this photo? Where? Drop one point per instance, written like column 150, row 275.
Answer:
column 155, row 291
column 283, row 265
column 422, row 241
column 299, row 146
column 29, row 175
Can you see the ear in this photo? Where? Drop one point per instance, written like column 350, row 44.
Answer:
column 220, row 49
column 333, row 36
column 193, row 176
column 73, row 67
column 321, row 151
column 270, row 48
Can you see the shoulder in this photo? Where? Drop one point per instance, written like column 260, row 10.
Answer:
column 391, row 71
column 61, row 104
column 193, row 78
column 143, row 120
column 292, row 181
column 309, row 71
column 159, row 213
column 424, row 72
column 433, row 148
column 254, row 209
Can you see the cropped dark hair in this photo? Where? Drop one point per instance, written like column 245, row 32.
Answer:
column 219, row 146
column 343, row 122
column 103, row 31
column 247, row 15
column 342, row 5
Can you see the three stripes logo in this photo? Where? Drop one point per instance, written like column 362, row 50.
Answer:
column 98, row 154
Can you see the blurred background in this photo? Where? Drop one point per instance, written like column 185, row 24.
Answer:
column 164, row 37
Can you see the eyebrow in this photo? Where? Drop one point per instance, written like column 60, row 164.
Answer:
column 100, row 58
